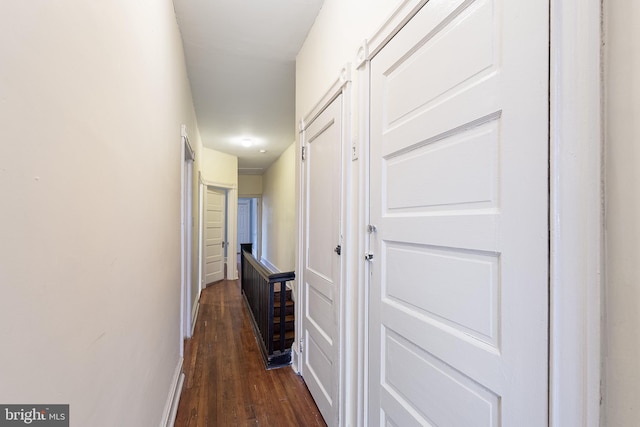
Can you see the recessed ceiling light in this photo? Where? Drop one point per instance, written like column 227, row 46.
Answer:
column 263, row 151
column 247, row 142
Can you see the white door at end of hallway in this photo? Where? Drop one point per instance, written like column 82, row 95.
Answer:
column 214, row 235
column 244, row 222
column 458, row 294
column 322, row 262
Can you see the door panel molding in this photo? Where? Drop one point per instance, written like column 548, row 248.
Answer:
column 215, row 225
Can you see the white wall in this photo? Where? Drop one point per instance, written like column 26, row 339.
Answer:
column 92, row 96
column 279, row 233
column 622, row 289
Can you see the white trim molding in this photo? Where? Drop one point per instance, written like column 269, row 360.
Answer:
column 270, row 265
column 399, row 17
column 200, row 234
column 348, row 293
column 194, row 316
column 576, row 219
column 296, row 357
column 336, row 89
column 173, row 399
column 186, row 234
column 189, row 154
column 222, row 185
column 362, row 296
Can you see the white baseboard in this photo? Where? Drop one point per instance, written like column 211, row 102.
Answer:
column 194, row 317
column 295, row 358
column 171, row 407
column 271, row 266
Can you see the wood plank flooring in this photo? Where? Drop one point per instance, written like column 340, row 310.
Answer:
column 226, row 383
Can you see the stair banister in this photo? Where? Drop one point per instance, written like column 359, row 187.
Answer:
column 258, row 288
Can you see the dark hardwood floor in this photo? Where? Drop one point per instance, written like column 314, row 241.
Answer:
column 226, row 383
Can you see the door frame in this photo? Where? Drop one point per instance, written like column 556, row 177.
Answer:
column 257, row 250
column 231, row 219
column 243, row 200
column 186, row 236
column 575, row 202
column 346, row 317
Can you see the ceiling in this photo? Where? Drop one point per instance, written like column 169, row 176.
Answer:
column 240, row 58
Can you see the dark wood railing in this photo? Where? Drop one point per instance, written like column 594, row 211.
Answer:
column 260, row 288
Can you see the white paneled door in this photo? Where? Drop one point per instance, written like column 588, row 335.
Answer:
column 321, row 287
column 214, row 235
column 458, row 314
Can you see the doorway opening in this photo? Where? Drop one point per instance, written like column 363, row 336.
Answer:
column 250, row 224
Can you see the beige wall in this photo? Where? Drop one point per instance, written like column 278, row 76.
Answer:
column 249, row 185
column 219, row 168
column 279, row 233
column 92, row 97
column 333, row 41
column 622, row 289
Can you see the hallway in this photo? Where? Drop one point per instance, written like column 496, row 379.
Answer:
column 226, row 383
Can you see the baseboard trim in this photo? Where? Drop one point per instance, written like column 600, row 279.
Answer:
column 272, row 267
column 194, row 317
column 295, row 358
column 171, row 407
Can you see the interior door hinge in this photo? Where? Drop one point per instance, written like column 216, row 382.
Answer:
column 301, row 346
column 303, row 153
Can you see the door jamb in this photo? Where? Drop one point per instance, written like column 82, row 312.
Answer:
column 186, row 239
column 258, row 248
column 576, row 207
column 241, row 198
column 577, row 213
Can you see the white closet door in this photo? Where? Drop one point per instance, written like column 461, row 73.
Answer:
column 459, row 195
column 214, row 235
column 321, row 263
